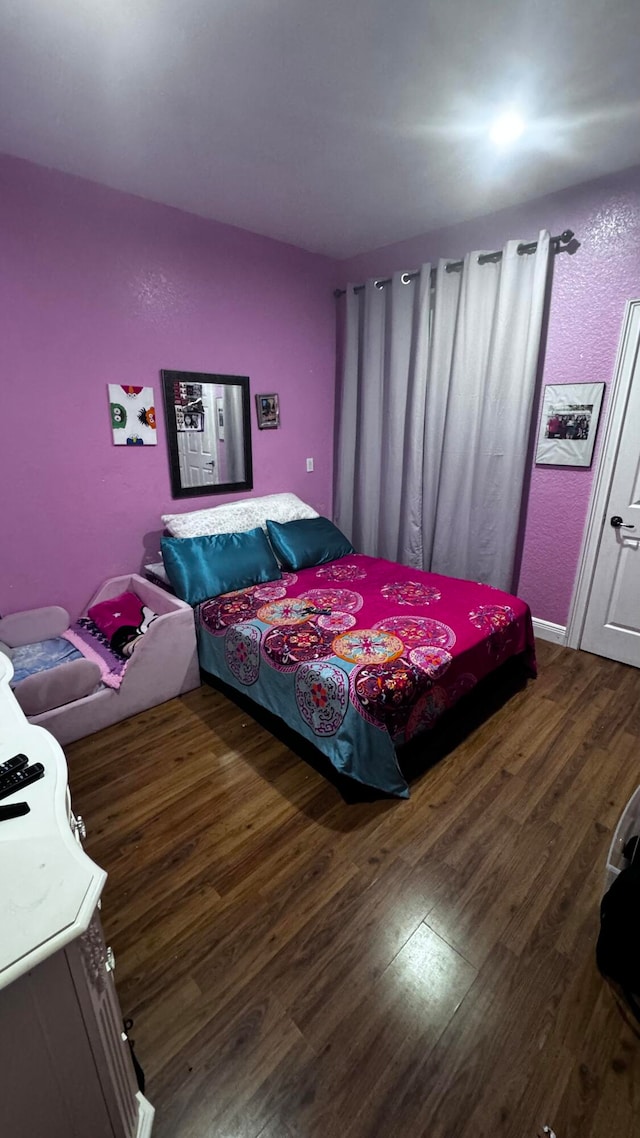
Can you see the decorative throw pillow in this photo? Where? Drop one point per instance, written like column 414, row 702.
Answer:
column 121, row 620
column 310, row 541
column 202, row 567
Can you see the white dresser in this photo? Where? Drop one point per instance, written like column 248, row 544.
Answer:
column 65, row 1061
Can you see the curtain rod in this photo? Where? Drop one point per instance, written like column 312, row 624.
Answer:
column 559, row 244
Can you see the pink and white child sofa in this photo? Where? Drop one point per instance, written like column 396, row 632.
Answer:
column 71, row 699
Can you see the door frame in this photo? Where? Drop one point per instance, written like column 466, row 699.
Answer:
column 620, row 389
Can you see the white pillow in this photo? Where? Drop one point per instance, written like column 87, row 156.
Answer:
column 238, row 517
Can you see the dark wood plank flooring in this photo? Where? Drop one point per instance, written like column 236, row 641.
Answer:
column 300, row 967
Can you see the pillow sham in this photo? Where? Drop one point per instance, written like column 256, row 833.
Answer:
column 238, row 517
column 202, row 567
column 310, row 541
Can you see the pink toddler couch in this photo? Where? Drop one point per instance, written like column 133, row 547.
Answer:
column 164, row 663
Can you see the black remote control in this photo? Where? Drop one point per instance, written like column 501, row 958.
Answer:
column 15, row 810
column 19, row 779
column 14, row 764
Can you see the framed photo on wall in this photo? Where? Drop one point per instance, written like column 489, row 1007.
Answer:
column 568, row 424
column 268, row 412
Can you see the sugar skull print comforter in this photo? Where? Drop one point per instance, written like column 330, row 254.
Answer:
column 361, row 655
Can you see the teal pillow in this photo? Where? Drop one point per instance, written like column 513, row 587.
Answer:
column 307, row 542
column 202, row 567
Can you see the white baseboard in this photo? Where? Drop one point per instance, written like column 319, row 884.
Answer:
column 547, row 630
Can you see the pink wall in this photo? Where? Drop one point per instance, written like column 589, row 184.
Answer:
column 587, row 306
column 98, row 286
column 101, row 287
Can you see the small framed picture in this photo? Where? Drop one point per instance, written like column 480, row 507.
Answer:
column 268, row 412
column 568, row 424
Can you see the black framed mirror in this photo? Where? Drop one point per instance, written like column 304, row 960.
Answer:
column 208, row 432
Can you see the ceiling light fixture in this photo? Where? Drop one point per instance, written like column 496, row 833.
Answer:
column 507, row 128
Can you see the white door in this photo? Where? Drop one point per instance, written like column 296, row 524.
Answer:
column 612, row 623
column 197, row 450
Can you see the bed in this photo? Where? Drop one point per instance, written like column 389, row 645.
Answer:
column 361, row 655
column 159, row 665
column 357, row 654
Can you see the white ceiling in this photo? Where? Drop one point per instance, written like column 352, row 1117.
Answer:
column 337, row 125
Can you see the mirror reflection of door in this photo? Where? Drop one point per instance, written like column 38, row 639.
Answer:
column 197, row 451
column 208, row 432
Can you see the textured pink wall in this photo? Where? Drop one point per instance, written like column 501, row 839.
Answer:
column 100, row 287
column 587, row 306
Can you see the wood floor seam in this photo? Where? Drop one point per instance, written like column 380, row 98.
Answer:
column 453, row 947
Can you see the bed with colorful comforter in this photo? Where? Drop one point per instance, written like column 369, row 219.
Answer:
column 361, row 655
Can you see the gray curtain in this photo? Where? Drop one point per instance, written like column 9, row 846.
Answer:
column 435, row 413
column 381, row 418
column 445, row 315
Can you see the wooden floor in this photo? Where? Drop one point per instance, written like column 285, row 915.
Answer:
column 302, row 968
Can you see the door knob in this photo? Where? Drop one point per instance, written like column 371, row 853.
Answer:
column 618, row 523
